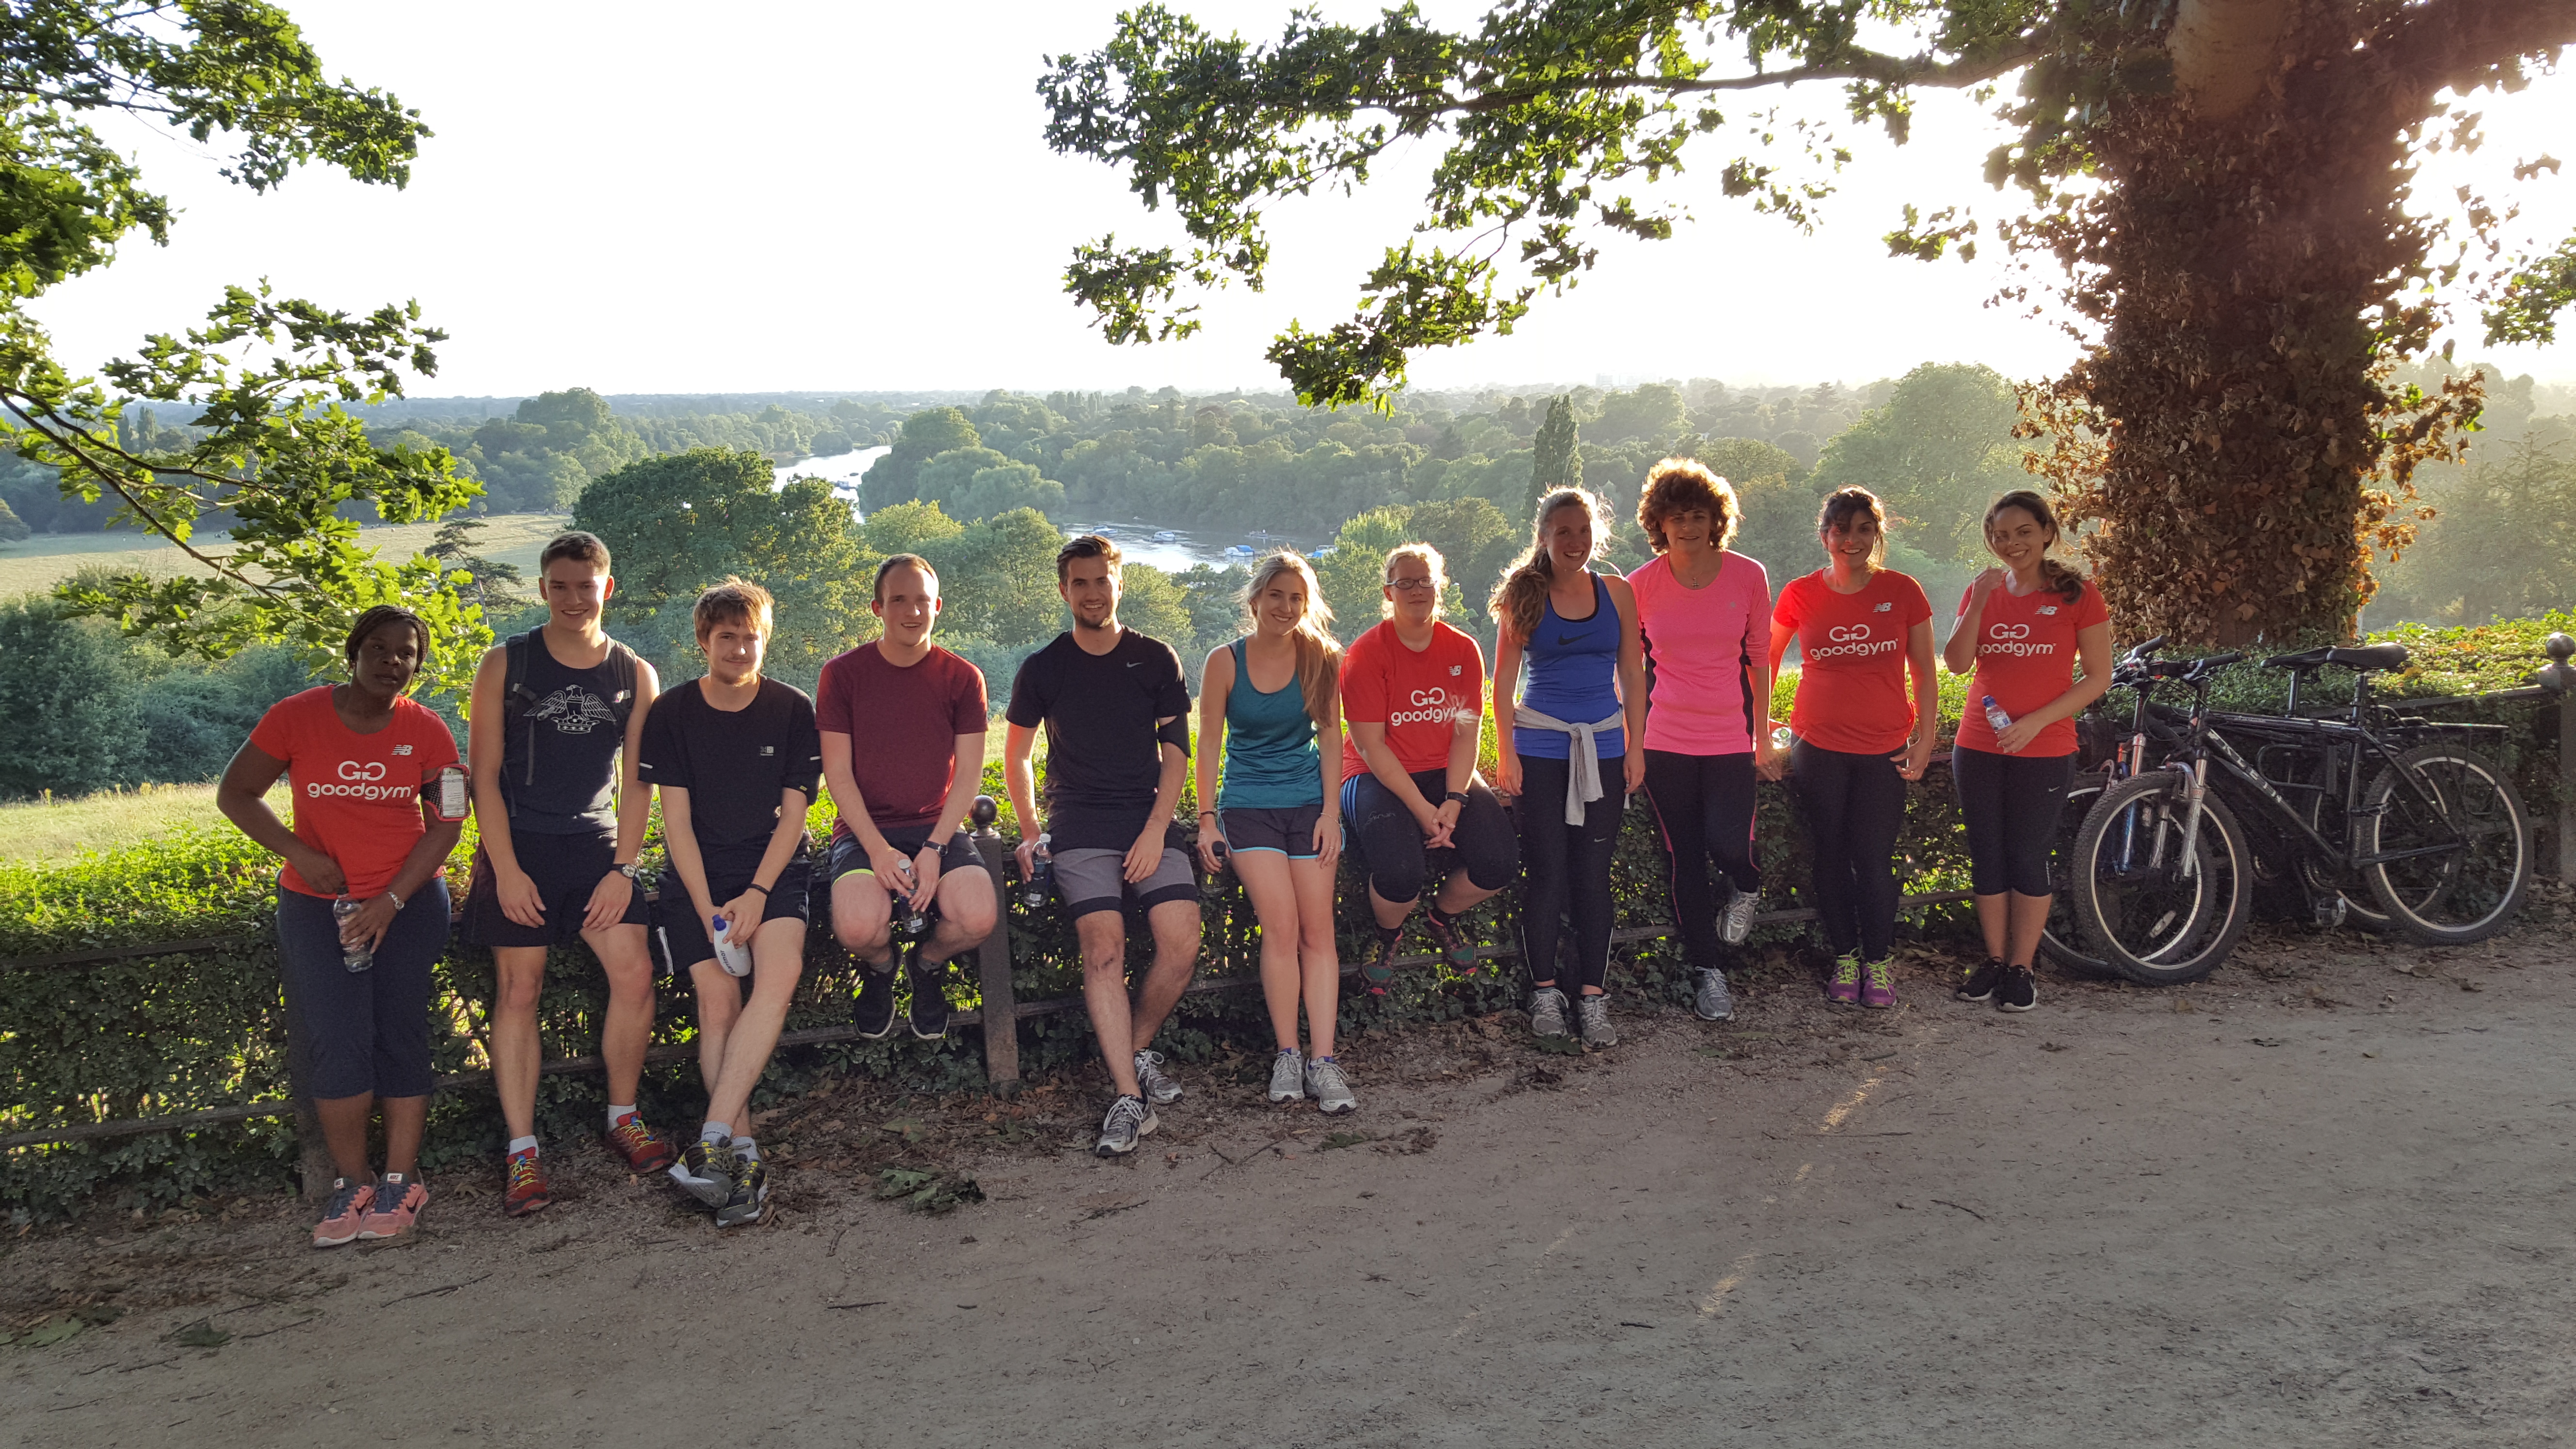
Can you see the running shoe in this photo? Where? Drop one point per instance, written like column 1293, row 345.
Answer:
column 1845, row 987
column 1878, row 983
column 1977, row 983
column 749, row 1193
column 1547, row 1011
column 929, row 1002
column 1377, row 973
column 347, row 1214
column 874, row 1016
column 1330, row 1089
column 524, row 1188
column 1595, row 1013
column 705, row 1172
column 1129, row 1118
column 2019, row 990
column 1454, row 946
column 1159, row 1089
column 644, row 1149
column 1288, row 1077
column 1713, row 1001
column 1739, row 917
column 399, row 1199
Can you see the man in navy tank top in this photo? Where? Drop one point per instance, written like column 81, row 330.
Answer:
column 554, row 738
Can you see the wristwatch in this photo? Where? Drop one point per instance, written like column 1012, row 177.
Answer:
column 628, row 870
column 396, row 897
column 1458, row 795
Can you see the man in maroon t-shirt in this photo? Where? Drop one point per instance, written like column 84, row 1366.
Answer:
column 917, row 712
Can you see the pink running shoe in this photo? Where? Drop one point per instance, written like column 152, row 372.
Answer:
column 1878, row 984
column 399, row 1199
column 346, row 1214
column 1845, row 987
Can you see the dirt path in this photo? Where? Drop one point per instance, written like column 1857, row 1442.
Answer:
column 2322, row 1200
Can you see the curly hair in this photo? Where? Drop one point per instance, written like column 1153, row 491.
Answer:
column 1845, row 504
column 1684, row 485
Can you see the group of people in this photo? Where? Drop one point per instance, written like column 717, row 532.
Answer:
column 1657, row 683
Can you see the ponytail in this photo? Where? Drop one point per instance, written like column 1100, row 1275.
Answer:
column 2068, row 584
column 1520, row 599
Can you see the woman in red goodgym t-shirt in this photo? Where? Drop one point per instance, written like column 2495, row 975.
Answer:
column 365, row 765
column 1860, row 629
column 2022, row 629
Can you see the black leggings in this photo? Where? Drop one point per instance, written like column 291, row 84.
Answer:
column 1386, row 842
column 1569, row 870
column 1704, row 806
column 2010, row 804
column 1854, row 805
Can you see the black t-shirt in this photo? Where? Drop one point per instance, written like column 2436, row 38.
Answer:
column 1103, row 762
column 733, row 765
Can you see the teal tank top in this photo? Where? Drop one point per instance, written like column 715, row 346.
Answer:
column 1270, row 758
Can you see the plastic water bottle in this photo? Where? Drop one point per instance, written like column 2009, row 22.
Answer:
column 1781, row 739
column 1041, row 882
column 356, row 955
column 1996, row 719
column 732, row 955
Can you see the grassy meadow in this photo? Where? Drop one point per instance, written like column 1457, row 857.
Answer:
column 35, row 564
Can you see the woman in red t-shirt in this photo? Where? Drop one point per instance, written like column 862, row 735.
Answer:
column 1860, row 630
column 366, row 766
column 2022, row 629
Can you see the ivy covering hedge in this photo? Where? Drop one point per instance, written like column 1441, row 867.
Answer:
column 175, row 1033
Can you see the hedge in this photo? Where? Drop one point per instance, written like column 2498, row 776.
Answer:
column 171, row 1034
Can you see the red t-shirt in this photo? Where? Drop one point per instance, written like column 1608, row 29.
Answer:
column 1851, row 679
column 2025, row 658
column 903, row 725
column 357, row 797
column 1419, row 697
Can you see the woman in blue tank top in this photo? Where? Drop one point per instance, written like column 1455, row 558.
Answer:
column 1567, row 758
column 1270, row 707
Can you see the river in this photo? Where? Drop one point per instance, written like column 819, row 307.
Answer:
column 1135, row 538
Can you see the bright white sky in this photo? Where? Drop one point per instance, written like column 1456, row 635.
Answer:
column 668, row 198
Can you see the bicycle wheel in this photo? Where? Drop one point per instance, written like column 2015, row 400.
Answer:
column 2060, row 940
column 2461, row 811
column 2361, row 910
column 2155, row 921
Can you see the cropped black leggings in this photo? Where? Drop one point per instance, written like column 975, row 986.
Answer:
column 1568, row 871
column 1386, row 843
column 1853, row 805
column 2010, row 805
column 1704, row 806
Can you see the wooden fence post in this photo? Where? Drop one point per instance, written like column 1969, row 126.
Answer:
column 314, row 1152
column 1001, row 1013
column 2566, row 772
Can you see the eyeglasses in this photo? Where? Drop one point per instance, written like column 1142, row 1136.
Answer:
column 1410, row 586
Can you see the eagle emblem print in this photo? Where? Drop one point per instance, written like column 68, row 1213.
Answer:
column 573, row 710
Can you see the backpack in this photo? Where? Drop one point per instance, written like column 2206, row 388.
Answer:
column 517, row 698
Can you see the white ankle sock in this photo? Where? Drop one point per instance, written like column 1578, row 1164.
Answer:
column 746, row 1150
column 718, row 1133
column 618, row 1114
column 522, row 1144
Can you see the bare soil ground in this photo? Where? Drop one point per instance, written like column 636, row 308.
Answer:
column 2320, row 1199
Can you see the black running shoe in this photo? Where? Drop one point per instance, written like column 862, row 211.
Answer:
column 750, row 1194
column 1978, row 983
column 929, row 1001
column 875, row 1015
column 2019, row 990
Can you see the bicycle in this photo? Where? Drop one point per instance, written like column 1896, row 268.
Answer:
column 2163, row 872
column 2059, row 939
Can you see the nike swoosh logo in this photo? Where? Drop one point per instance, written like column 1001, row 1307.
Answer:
column 1564, row 639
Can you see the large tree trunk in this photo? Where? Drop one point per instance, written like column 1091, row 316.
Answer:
column 2255, row 273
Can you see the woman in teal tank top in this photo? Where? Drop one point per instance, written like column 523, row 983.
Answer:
column 1270, row 710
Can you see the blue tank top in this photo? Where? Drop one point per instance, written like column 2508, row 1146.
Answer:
column 1573, row 676
column 1270, row 756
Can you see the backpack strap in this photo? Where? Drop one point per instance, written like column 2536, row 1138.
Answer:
column 621, row 669
column 516, row 697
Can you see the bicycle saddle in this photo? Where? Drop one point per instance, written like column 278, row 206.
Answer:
column 2367, row 656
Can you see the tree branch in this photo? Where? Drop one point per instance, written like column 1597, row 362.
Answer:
column 1866, row 65
column 2459, row 43
column 64, row 439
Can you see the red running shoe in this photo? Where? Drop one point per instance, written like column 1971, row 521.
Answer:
column 1454, row 946
column 524, row 1189
column 644, row 1149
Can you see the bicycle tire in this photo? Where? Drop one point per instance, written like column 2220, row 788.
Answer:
column 2128, row 913
column 2060, row 940
column 2463, row 896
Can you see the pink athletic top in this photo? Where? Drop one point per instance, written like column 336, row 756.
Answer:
column 1701, row 644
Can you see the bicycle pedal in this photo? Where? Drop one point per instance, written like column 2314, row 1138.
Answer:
column 2330, row 911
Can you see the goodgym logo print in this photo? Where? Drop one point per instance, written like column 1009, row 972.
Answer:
column 2012, row 639
column 1851, row 641
column 359, row 780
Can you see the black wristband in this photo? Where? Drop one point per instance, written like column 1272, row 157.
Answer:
column 757, row 886
column 1458, row 795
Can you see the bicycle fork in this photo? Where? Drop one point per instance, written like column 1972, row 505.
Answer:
column 2195, row 792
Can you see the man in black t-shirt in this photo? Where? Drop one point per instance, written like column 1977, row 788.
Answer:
column 736, row 757
column 1116, row 716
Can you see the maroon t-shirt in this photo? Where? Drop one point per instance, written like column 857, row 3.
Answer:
column 903, row 726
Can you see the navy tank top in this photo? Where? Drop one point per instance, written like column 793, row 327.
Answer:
column 1573, row 676
column 559, row 766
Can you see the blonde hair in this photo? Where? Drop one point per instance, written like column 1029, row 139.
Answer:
column 1520, row 598
column 1430, row 558
column 1319, row 658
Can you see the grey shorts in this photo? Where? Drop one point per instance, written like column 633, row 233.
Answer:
column 1290, row 831
column 1095, row 880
